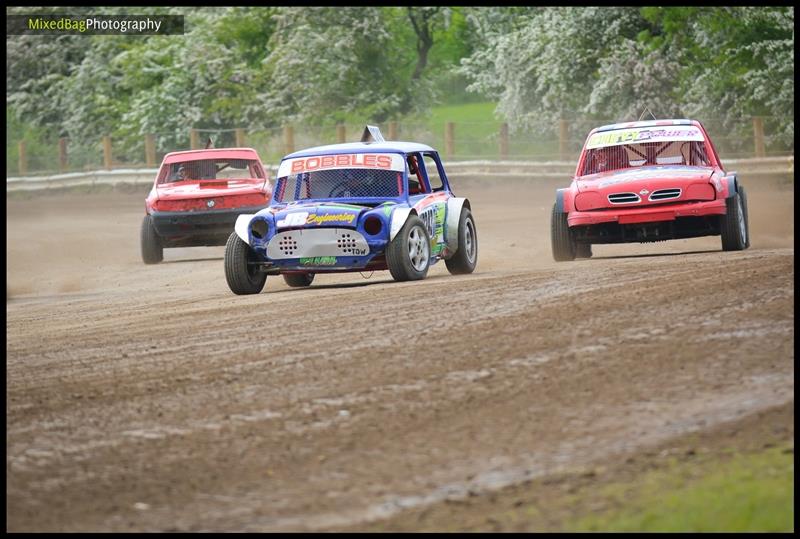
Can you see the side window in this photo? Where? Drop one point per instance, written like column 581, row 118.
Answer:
column 433, row 173
column 416, row 185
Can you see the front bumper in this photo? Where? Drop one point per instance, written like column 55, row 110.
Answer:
column 322, row 249
column 205, row 227
column 647, row 214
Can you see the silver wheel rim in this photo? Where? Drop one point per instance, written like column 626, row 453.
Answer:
column 418, row 249
column 469, row 241
column 742, row 227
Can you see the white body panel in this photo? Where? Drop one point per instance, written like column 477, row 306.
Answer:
column 638, row 135
column 399, row 218
column 241, row 225
column 454, row 206
column 315, row 242
column 385, row 161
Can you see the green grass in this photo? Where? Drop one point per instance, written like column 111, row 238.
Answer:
column 749, row 492
column 479, row 114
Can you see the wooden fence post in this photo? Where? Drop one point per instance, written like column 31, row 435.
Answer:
column 341, row 133
column 23, row 159
column 758, row 136
column 150, row 150
column 288, row 138
column 449, row 140
column 504, row 140
column 107, row 152
column 240, row 135
column 392, row 130
column 194, row 136
column 62, row 154
column 562, row 139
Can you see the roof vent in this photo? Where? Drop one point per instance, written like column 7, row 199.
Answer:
column 372, row 134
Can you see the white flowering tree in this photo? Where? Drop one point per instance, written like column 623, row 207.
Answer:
column 610, row 63
column 546, row 68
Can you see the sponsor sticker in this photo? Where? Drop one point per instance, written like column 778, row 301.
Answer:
column 644, row 134
column 318, row 261
column 338, row 218
column 297, row 218
column 385, row 161
column 302, row 218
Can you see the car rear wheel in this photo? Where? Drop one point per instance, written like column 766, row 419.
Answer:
column 743, row 194
column 734, row 228
column 409, row 253
column 561, row 240
column 242, row 275
column 298, row 280
column 152, row 250
column 583, row 250
column 466, row 257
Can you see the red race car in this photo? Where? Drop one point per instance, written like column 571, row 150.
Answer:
column 648, row 181
column 197, row 196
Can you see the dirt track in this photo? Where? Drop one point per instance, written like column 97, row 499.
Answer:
column 151, row 398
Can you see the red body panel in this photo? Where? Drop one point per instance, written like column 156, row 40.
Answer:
column 702, row 190
column 193, row 195
column 649, row 214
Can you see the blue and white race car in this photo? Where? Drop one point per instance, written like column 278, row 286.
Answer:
column 354, row 207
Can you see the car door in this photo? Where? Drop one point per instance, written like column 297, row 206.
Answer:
column 432, row 209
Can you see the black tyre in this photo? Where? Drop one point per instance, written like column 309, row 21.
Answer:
column 561, row 240
column 583, row 250
column 466, row 257
column 152, row 250
column 298, row 280
column 743, row 194
column 409, row 253
column 734, row 228
column 242, row 276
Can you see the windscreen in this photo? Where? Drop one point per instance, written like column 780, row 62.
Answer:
column 631, row 148
column 212, row 169
column 340, row 183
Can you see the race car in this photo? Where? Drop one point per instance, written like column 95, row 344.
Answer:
column 648, row 181
column 354, row 207
column 197, row 196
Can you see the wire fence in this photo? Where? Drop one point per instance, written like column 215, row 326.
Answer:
column 456, row 141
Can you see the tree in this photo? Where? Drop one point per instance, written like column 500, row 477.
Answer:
column 326, row 62
column 544, row 68
column 549, row 63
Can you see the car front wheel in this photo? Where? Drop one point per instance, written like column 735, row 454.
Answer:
column 409, row 253
column 561, row 240
column 734, row 228
column 242, row 274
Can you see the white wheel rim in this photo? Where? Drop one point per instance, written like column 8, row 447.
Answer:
column 418, row 249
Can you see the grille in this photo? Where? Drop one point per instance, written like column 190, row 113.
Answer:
column 287, row 245
column 624, row 198
column 334, row 242
column 665, row 194
column 346, row 243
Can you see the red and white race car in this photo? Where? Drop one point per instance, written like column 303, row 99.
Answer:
column 648, row 181
column 197, row 196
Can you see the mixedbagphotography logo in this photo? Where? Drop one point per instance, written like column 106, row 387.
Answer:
column 94, row 24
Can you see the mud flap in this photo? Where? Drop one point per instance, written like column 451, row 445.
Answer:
column 454, row 206
column 242, row 222
column 399, row 217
